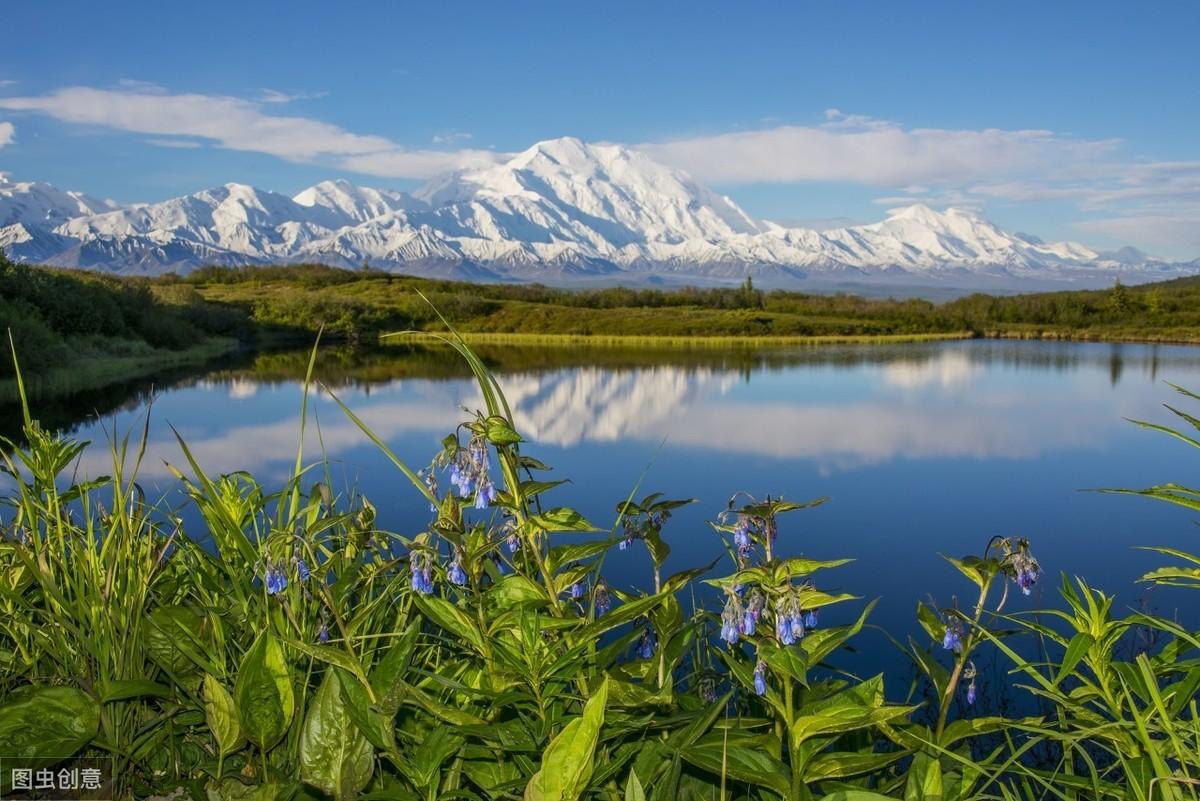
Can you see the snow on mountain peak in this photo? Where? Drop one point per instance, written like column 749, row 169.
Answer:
column 563, row 207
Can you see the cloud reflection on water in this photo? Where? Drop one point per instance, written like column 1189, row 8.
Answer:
column 949, row 404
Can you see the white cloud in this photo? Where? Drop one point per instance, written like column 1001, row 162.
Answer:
column 450, row 138
column 873, row 152
column 180, row 144
column 275, row 96
column 8, row 133
column 238, row 124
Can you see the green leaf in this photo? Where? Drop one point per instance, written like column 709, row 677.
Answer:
column 924, row 779
column 263, row 693
column 856, row 795
column 516, row 590
column 436, row 747
column 377, row 727
column 739, row 762
column 450, row 618
column 568, row 761
column 338, row 657
column 633, row 788
column 561, row 519
column 222, row 716
column 499, row 432
column 387, row 678
column 837, row 765
column 41, row 725
column 931, row 622
column 173, row 640
column 334, row 755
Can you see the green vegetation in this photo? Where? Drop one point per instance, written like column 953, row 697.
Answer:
column 82, row 330
column 308, row 652
column 363, row 304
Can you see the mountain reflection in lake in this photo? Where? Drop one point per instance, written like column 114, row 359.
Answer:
column 924, row 448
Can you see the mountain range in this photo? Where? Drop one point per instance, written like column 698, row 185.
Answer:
column 563, row 211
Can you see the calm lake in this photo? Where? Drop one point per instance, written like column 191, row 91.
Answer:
column 923, row 448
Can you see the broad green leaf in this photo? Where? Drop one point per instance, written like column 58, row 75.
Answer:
column 560, row 519
column 427, row 758
column 856, row 795
column 41, row 725
column 388, row 674
column 173, row 640
column 837, row 765
column 924, row 779
column 516, row 590
column 263, row 693
column 451, row 618
column 567, row 763
column 740, row 762
column 222, row 716
column 330, row 655
column 377, row 727
column 334, row 755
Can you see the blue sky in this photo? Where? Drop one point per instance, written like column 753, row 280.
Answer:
column 1066, row 120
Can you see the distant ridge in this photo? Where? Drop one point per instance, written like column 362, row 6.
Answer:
column 562, row 211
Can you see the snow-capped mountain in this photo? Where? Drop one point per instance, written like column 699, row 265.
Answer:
column 562, row 210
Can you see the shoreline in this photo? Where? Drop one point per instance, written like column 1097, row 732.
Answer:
column 633, row 340
column 85, row 375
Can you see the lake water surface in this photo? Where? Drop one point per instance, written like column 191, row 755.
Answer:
column 923, row 448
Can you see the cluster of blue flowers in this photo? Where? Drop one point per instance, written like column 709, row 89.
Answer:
column 952, row 639
column 420, row 565
column 760, row 678
column 791, row 621
column 578, row 590
column 469, row 473
column 455, row 572
column 275, row 578
column 1027, row 570
column 740, row 619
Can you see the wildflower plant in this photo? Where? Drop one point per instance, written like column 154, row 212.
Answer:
column 304, row 651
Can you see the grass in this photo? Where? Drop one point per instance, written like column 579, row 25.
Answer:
column 113, row 362
column 666, row 341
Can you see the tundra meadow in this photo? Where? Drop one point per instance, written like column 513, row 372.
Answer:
column 297, row 648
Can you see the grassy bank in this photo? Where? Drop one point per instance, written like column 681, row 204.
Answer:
column 79, row 330
column 361, row 305
column 113, row 362
column 652, row 341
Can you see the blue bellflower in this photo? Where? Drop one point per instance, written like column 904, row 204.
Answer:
column 952, row 640
column 760, row 678
column 276, row 579
column 455, row 573
column 421, row 568
column 732, row 619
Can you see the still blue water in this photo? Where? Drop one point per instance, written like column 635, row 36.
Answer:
column 924, row 449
